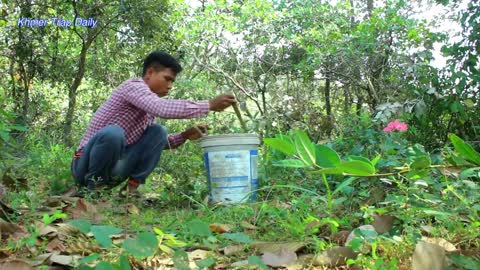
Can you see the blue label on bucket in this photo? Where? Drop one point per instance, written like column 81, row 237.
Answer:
column 232, row 175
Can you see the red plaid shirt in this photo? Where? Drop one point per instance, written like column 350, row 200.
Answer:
column 133, row 106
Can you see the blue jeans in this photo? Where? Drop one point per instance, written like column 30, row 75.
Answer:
column 107, row 161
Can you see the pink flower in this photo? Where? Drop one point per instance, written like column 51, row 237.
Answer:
column 395, row 126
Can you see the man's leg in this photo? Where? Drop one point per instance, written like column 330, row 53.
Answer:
column 140, row 158
column 93, row 168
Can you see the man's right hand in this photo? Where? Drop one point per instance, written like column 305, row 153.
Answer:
column 221, row 102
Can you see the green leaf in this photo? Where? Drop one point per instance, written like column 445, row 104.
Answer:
column 326, row 157
column 468, row 263
column 281, row 145
column 344, row 184
column 304, row 147
column 435, row 213
column 81, row 224
column 464, row 149
column 90, row 258
column 123, row 263
column 470, row 172
column 357, row 167
column 337, row 171
column 199, row 228
column 180, row 260
column 144, row 245
column 421, row 162
column 207, row 262
column 255, row 260
column 238, row 237
column 376, row 159
column 359, row 158
column 104, row 266
column 290, row 163
column 102, row 234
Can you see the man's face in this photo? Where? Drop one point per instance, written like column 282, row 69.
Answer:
column 160, row 82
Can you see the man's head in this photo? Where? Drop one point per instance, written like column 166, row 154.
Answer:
column 159, row 72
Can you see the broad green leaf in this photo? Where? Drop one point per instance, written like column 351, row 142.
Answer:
column 304, row 147
column 468, row 263
column 199, row 228
column 464, row 149
column 281, row 145
column 337, row 170
column 81, row 224
column 104, row 266
column 90, row 258
column 207, row 262
column 238, row 237
column 85, row 267
column 102, row 234
column 421, row 162
column 360, row 159
column 255, row 260
column 345, row 183
column 290, row 163
column 326, row 157
column 144, row 245
column 123, row 263
column 180, row 260
column 357, row 167
column 470, row 172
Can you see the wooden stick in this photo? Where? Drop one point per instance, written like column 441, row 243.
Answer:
column 239, row 115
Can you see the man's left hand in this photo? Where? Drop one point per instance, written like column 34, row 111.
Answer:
column 195, row 132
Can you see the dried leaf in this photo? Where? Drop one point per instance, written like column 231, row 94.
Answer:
column 199, row 254
column 132, row 209
column 304, row 261
column 65, row 260
column 248, row 226
column 447, row 246
column 340, row 237
column 15, row 265
column 426, row 228
column 334, row 256
column 9, row 228
column 233, row 249
column 283, row 258
column 428, row 256
column 220, row 228
column 276, row 247
column 382, row 223
column 55, row 245
column 48, row 231
column 280, row 204
column 39, row 260
column 84, row 210
column 240, row 264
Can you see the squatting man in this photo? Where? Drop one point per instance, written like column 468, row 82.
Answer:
column 122, row 142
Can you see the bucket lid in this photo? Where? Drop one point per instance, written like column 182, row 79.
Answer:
column 229, row 139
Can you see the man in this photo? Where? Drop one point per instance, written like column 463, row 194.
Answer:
column 122, row 141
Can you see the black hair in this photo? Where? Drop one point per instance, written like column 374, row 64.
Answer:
column 160, row 60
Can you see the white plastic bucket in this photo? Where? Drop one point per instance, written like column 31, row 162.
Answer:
column 231, row 164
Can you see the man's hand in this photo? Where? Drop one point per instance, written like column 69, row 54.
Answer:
column 195, row 132
column 221, row 102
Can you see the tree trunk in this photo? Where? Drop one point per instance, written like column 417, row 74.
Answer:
column 72, row 93
column 328, row 107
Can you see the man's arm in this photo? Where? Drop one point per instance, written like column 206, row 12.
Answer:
column 193, row 133
column 175, row 140
column 138, row 94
